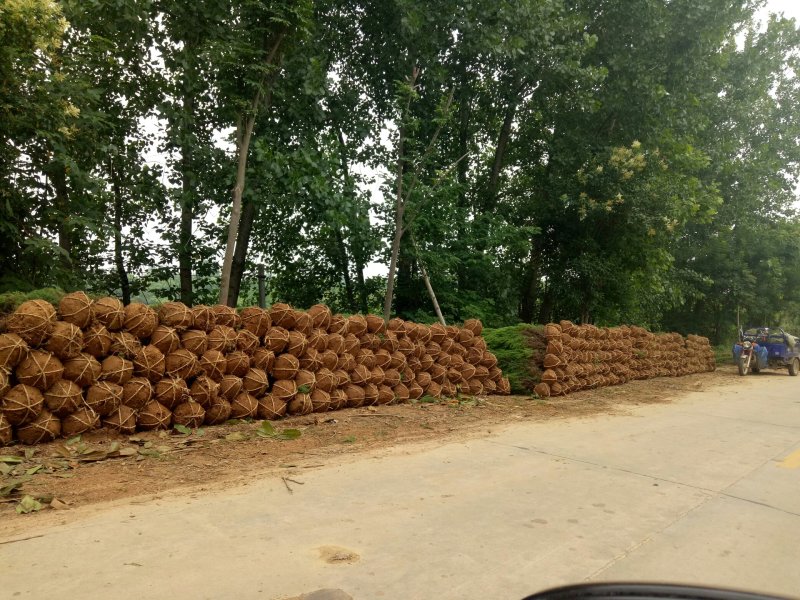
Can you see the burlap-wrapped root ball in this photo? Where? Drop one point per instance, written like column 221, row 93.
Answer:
column 140, row 320
column 282, row 315
column 5, row 382
column 170, row 392
column 154, row 415
column 222, row 338
column 33, row 321
column 6, row 431
column 230, row 386
column 103, row 397
column 121, row 419
column 320, row 316
column 318, row 340
column 66, row 340
column 176, row 315
column 82, row 420
column 12, row 350
column 263, row 359
column 338, row 399
column 39, row 369
column 306, row 381
column 63, row 397
column 256, row 320
column 97, row 340
column 195, row 341
column 75, row 308
column 110, row 312
column 385, row 395
column 246, row 341
column 203, row 318
column 300, row 405
column 44, row 428
column 137, row 392
column 225, row 315
column 218, row 412
column 255, row 382
column 244, row 406
column 338, row 325
column 181, row 364
column 286, row 366
column 297, row 344
column 320, row 401
column 276, row 339
column 22, row 404
column 124, row 344
column 166, row 339
column 303, row 323
column 237, row 363
column 370, row 394
column 213, row 364
column 150, row 363
column 84, row 369
column 189, row 414
column 204, row 391
column 542, row 390
column 311, row 360
column 355, row 395
column 284, row 389
column 270, row 407
column 116, row 370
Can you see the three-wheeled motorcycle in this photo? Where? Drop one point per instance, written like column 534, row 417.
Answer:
column 766, row 348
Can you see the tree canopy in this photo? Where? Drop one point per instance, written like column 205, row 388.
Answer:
column 601, row 161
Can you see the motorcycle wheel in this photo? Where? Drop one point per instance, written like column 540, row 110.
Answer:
column 794, row 367
column 743, row 366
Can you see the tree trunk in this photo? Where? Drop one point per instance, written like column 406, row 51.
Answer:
column 344, row 265
column 492, row 187
column 244, row 133
column 59, row 177
column 119, row 262
column 249, row 213
column 363, row 301
column 187, row 145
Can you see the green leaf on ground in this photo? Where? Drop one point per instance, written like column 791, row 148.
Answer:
column 28, row 504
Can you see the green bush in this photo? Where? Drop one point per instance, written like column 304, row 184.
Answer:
column 9, row 301
column 519, row 350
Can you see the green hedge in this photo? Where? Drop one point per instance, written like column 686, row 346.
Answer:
column 520, row 351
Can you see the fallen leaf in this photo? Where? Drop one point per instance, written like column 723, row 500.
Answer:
column 34, row 470
column 182, row 429
column 11, row 459
column 29, row 452
column 73, row 440
column 58, row 504
column 28, row 504
column 12, row 486
column 236, row 436
column 128, row 451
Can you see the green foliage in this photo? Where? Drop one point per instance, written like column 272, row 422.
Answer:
column 9, row 301
column 515, row 355
column 550, row 171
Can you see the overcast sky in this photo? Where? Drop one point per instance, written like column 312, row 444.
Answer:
column 790, row 8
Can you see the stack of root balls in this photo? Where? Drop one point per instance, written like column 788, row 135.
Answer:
column 584, row 356
column 99, row 363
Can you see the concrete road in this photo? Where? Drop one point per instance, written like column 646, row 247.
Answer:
column 705, row 489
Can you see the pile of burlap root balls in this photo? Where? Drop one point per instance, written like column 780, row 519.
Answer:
column 92, row 363
column 579, row 357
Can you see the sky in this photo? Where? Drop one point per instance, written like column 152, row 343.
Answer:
column 790, row 8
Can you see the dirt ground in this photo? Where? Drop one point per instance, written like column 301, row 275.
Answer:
column 102, row 467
